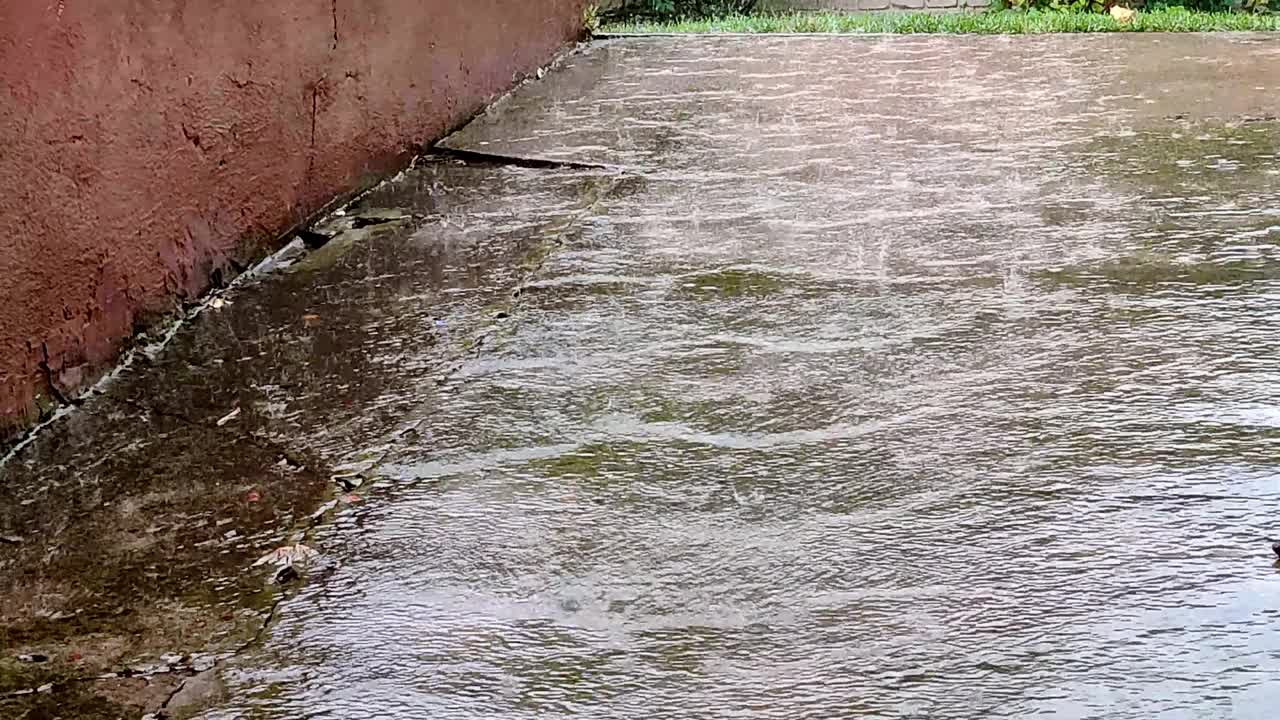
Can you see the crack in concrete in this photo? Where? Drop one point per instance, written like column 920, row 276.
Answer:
column 360, row 222
column 163, row 710
column 192, row 137
column 311, row 144
column 268, row 618
column 484, row 158
column 334, row 10
column 47, row 373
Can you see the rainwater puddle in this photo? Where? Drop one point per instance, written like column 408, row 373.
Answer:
column 913, row 429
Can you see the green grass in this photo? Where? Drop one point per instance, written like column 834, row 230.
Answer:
column 1004, row 22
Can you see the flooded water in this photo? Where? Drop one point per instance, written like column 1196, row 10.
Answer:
column 872, row 378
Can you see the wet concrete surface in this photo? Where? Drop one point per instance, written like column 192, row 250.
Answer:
column 132, row 524
column 860, row 377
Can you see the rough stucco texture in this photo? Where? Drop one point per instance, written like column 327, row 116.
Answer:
column 148, row 147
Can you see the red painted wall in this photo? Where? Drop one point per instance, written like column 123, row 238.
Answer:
column 146, row 144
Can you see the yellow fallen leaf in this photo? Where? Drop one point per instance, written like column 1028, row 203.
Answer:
column 1122, row 15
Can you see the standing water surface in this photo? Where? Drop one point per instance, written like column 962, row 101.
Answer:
column 883, row 377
